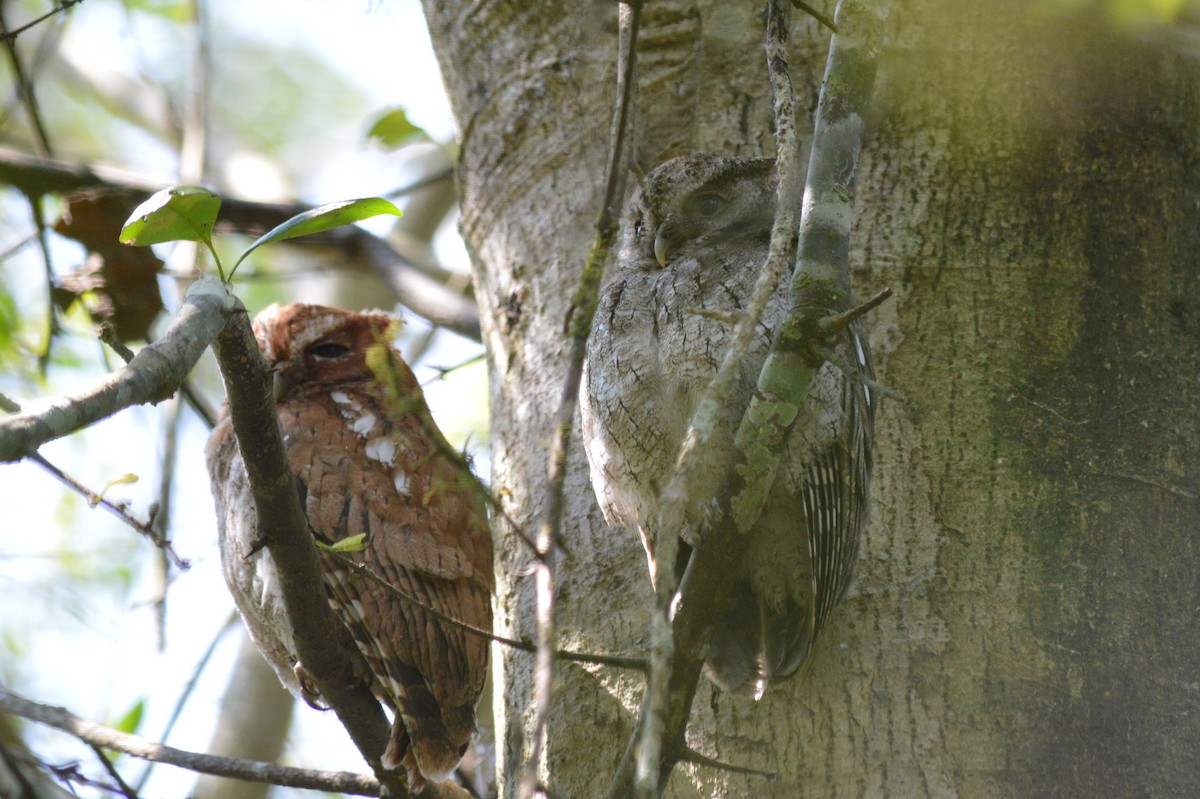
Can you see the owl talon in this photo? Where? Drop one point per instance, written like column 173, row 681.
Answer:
column 308, row 688
column 256, row 545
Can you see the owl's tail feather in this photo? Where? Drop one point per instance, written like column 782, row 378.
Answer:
column 754, row 645
column 420, row 739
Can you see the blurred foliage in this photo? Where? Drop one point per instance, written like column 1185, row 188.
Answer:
column 1127, row 14
column 286, row 115
column 131, row 722
column 10, row 352
column 392, row 129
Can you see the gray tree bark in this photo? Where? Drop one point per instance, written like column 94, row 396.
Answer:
column 1024, row 618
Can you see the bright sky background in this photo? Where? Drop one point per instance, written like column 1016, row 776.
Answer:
column 93, row 651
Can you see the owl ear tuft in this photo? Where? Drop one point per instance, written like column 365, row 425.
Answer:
column 386, row 326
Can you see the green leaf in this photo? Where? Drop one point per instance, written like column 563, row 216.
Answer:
column 129, row 723
column 132, row 720
column 122, row 480
column 352, row 543
column 321, row 219
column 180, row 213
column 393, row 129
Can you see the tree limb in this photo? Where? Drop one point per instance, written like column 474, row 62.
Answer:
column 414, row 288
column 152, row 376
column 96, row 734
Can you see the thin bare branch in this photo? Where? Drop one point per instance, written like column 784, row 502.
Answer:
column 10, row 36
column 108, row 335
column 146, row 528
column 122, row 786
column 188, row 687
column 578, row 326
column 421, row 183
column 692, row 756
column 192, row 145
column 249, row 770
column 25, row 90
column 616, row 661
column 443, row 371
column 162, row 519
column 43, row 240
column 815, row 14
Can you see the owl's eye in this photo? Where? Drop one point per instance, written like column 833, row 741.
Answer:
column 329, row 351
column 707, row 205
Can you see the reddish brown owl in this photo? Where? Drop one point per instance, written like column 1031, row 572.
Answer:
column 368, row 459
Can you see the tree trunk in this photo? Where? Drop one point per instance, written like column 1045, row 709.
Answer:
column 256, row 713
column 1024, row 617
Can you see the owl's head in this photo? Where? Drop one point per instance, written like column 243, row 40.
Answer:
column 312, row 345
column 697, row 202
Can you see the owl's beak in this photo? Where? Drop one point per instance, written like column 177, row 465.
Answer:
column 664, row 246
column 278, row 384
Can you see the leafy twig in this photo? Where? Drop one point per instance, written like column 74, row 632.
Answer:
column 414, row 285
column 146, row 528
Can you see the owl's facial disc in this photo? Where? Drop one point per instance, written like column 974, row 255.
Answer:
column 696, row 214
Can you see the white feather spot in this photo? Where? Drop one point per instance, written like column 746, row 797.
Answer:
column 340, row 397
column 364, row 424
column 403, row 487
column 382, row 450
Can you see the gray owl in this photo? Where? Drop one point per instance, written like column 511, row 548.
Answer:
column 696, row 237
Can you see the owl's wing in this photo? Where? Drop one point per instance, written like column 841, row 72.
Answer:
column 426, row 535
column 801, row 557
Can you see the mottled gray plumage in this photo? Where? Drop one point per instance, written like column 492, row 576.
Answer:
column 696, row 236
